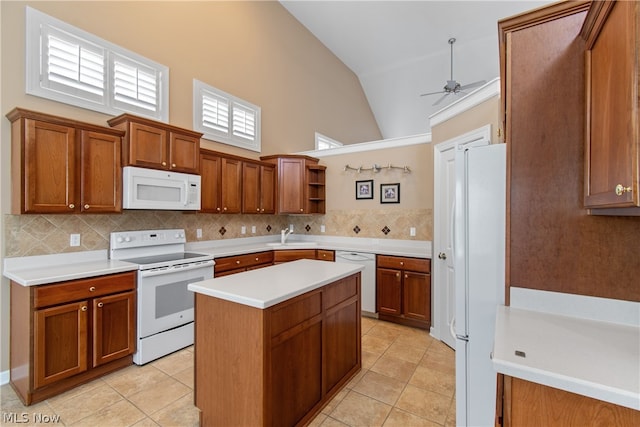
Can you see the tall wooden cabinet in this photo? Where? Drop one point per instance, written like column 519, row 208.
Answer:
column 300, row 184
column 158, row 145
column 612, row 152
column 67, row 333
column 64, row 166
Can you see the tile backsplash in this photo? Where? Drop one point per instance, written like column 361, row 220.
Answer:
column 27, row 235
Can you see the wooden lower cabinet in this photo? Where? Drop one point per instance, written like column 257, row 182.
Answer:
column 531, row 404
column 68, row 333
column 403, row 290
column 239, row 263
column 278, row 366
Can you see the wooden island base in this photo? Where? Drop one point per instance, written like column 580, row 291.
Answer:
column 277, row 366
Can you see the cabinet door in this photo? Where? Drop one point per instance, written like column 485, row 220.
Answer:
column 60, row 342
column 250, row 188
column 100, row 172
column 49, row 168
column 184, row 153
column 114, row 327
column 231, row 183
column 147, row 146
column 389, row 291
column 417, row 295
column 267, row 189
column 291, row 186
column 210, row 173
column 613, row 112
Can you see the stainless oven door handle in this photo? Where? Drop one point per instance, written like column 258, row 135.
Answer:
column 176, row 269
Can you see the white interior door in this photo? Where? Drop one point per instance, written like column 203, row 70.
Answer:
column 443, row 215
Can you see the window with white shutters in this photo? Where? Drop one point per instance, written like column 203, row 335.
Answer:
column 225, row 118
column 69, row 65
column 324, row 142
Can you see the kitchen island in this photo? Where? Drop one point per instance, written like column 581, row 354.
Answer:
column 273, row 346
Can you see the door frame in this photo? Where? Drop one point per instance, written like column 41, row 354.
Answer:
column 479, row 136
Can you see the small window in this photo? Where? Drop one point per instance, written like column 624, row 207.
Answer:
column 225, row 118
column 69, row 65
column 325, row 143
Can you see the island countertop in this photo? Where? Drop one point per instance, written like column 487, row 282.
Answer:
column 269, row 286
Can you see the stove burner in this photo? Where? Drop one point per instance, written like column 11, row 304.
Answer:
column 155, row 259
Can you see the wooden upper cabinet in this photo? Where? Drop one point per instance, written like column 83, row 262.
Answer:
column 300, row 184
column 231, row 185
column 64, row 166
column 158, row 145
column 221, row 182
column 612, row 32
column 258, row 188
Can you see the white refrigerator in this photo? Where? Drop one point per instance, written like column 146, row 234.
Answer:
column 479, row 261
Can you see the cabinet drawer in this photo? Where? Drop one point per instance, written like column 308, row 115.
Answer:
column 243, row 261
column 293, row 255
column 60, row 293
column 326, row 255
column 421, row 265
column 294, row 312
column 341, row 290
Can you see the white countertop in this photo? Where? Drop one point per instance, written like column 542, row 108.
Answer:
column 593, row 358
column 43, row 269
column 269, row 286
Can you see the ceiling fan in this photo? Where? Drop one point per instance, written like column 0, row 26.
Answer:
column 453, row 87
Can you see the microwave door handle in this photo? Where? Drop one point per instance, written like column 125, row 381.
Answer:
column 186, row 193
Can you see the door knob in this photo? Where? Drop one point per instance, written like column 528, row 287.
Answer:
column 442, row 255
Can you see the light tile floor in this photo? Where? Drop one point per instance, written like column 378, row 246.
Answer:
column 407, row 379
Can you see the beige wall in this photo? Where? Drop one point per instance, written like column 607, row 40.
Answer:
column 481, row 115
column 270, row 60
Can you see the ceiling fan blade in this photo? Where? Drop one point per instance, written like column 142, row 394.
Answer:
column 441, row 98
column 432, row 93
column 474, row 84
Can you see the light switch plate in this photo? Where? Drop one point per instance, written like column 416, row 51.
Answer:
column 412, row 232
column 322, row 228
column 243, row 230
column 253, row 229
column 199, row 233
column 74, row 240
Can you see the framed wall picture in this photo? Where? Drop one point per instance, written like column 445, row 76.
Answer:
column 390, row 193
column 364, row 189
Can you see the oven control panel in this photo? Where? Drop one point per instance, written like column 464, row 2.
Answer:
column 145, row 238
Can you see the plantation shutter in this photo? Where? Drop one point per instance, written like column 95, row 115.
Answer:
column 215, row 112
column 135, row 86
column 244, row 122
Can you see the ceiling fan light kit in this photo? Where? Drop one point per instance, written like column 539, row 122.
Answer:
column 453, row 87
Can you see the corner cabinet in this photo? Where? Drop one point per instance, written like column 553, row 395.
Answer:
column 300, row 184
column 612, row 33
column 64, row 166
column 67, row 333
column 158, row 145
column 403, row 290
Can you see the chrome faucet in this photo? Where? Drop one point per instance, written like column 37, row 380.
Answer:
column 284, row 234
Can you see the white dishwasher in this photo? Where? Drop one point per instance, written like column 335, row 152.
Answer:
column 368, row 282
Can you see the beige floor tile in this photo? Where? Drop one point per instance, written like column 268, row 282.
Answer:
column 121, row 413
column 159, row 396
column 368, row 359
column 85, row 404
column 416, row 338
column 394, row 368
column 382, row 330
column 174, row 362
column 423, row 403
column 135, row 379
column 407, row 352
column 146, row 422
column 400, row 418
column 358, row 410
column 380, row 387
column 356, row 379
column 185, row 377
column 181, row 413
column 433, row 380
column 451, row 416
column 332, row 422
column 366, row 324
column 318, row 420
column 77, row 391
column 443, row 362
column 376, row 345
column 329, row 407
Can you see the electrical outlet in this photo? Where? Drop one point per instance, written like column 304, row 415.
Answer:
column 253, row 229
column 291, row 228
column 243, row 230
column 74, row 240
column 199, row 233
column 412, row 232
column 322, row 228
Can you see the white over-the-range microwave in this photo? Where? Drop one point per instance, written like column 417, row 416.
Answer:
column 159, row 190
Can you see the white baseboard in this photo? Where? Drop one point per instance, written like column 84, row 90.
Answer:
column 4, row 377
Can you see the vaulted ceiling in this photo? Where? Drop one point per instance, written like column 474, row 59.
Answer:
column 400, row 49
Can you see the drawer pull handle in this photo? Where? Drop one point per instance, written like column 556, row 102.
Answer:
column 83, row 308
column 92, row 289
column 100, row 304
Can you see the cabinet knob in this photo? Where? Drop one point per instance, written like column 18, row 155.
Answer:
column 72, row 206
column 87, row 206
column 257, row 209
column 164, row 163
column 173, row 165
column 401, row 262
column 257, row 259
column 92, row 289
column 218, row 209
column 100, row 304
column 83, row 308
column 262, row 210
column 238, row 262
column 224, row 209
column 398, row 274
column 406, row 276
column 301, row 210
column 621, row 189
